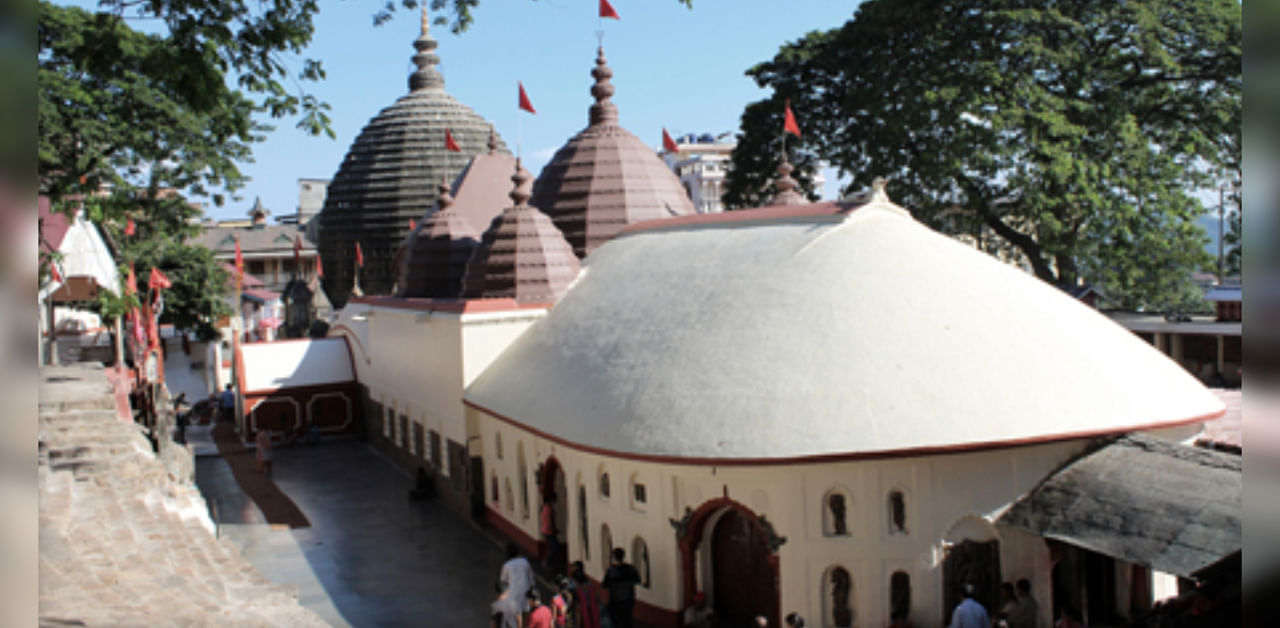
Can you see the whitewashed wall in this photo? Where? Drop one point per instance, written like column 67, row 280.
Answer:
column 970, row 488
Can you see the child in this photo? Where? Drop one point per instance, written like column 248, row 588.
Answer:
column 561, row 604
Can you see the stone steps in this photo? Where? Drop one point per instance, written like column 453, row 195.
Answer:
column 124, row 543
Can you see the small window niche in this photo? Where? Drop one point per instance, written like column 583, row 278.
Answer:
column 897, row 510
column 604, row 484
column 639, row 495
column 835, row 512
column 497, row 445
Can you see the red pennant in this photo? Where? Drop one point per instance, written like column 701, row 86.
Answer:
column 668, row 143
column 789, row 122
column 53, row 271
column 239, row 260
column 131, row 286
column 449, row 143
column 359, row 256
column 524, row 100
column 412, row 225
column 158, row 280
column 319, row 267
column 606, row 10
column 129, row 228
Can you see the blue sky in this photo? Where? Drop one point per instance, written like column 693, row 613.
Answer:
column 673, row 67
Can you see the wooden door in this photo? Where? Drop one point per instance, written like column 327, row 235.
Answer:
column 744, row 580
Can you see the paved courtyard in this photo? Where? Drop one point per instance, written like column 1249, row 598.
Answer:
column 370, row 557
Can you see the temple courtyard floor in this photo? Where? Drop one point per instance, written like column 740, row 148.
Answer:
column 366, row 556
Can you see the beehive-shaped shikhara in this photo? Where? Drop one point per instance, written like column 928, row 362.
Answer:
column 390, row 176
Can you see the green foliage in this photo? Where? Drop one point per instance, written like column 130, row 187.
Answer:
column 1074, row 133
column 757, row 155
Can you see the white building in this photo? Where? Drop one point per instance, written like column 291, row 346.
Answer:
column 701, row 163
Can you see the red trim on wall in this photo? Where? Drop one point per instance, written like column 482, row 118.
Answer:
column 458, row 306
column 846, row 456
column 527, row 543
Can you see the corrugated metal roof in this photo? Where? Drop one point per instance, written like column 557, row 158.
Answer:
column 1144, row 500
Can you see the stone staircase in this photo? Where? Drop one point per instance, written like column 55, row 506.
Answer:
column 122, row 541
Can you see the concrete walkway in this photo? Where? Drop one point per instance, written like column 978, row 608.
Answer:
column 370, row 557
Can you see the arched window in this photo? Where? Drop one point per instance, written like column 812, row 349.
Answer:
column 497, row 444
column 838, row 598
column 835, row 513
column 606, row 546
column 582, row 522
column 640, row 554
column 509, row 496
column 897, row 512
column 604, row 484
column 493, row 487
column 639, row 493
column 523, row 479
column 900, row 594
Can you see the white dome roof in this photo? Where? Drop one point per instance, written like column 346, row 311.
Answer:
column 820, row 331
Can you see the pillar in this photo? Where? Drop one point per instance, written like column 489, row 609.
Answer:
column 1222, row 354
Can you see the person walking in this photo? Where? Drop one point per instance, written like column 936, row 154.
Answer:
column 539, row 614
column 562, row 605
column 1027, row 613
column 620, row 581
column 227, row 404
column 547, row 526
column 586, row 598
column 517, row 574
column 969, row 613
column 263, row 441
column 504, row 612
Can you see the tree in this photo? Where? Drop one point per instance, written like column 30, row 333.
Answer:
column 756, row 158
column 1074, row 134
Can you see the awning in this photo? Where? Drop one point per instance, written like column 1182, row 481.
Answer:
column 1144, row 500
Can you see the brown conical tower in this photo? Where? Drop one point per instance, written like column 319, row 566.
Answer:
column 522, row 256
column 788, row 188
column 606, row 178
column 437, row 251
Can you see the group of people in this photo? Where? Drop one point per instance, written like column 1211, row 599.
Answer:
column 578, row 603
column 1018, row 608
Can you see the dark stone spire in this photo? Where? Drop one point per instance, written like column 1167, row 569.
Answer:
column 443, row 198
column 493, row 141
column 604, row 111
column 520, row 193
column 426, row 76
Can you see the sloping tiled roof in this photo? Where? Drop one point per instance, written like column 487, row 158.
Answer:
column 1143, row 500
column 606, row 178
column 53, row 226
column 271, row 239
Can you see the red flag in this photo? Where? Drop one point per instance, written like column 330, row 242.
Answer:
column 606, row 10
column 668, row 143
column 412, row 225
column 789, row 123
column 449, row 143
column 158, row 280
column 359, row 256
column 524, row 100
column 129, row 228
column 53, row 270
column 319, row 267
column 239, row 260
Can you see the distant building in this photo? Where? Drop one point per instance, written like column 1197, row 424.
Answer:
column 701, row 164
column 267, row 249
column 86, row 266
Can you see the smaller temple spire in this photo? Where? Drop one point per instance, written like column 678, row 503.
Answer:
column 604, row 111
column 426, row 76
column 788, row 193
column 522, row 191
column 443, row 197
column 493, row 141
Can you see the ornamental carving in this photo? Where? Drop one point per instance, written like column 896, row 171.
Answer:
column 775, row 541
column 682, row 525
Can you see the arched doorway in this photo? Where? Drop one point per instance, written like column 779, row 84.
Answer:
column 552, row 485
column 972, row 557
column 734, row 551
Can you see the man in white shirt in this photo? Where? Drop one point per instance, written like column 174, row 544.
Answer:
column 969, row 613
column 517, row 574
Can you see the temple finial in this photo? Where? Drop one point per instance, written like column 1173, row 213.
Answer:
column 443, row 198
column 788, row 194
column 426, row 76
column 604, row 110
column 493, row 140
column 521, row 193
